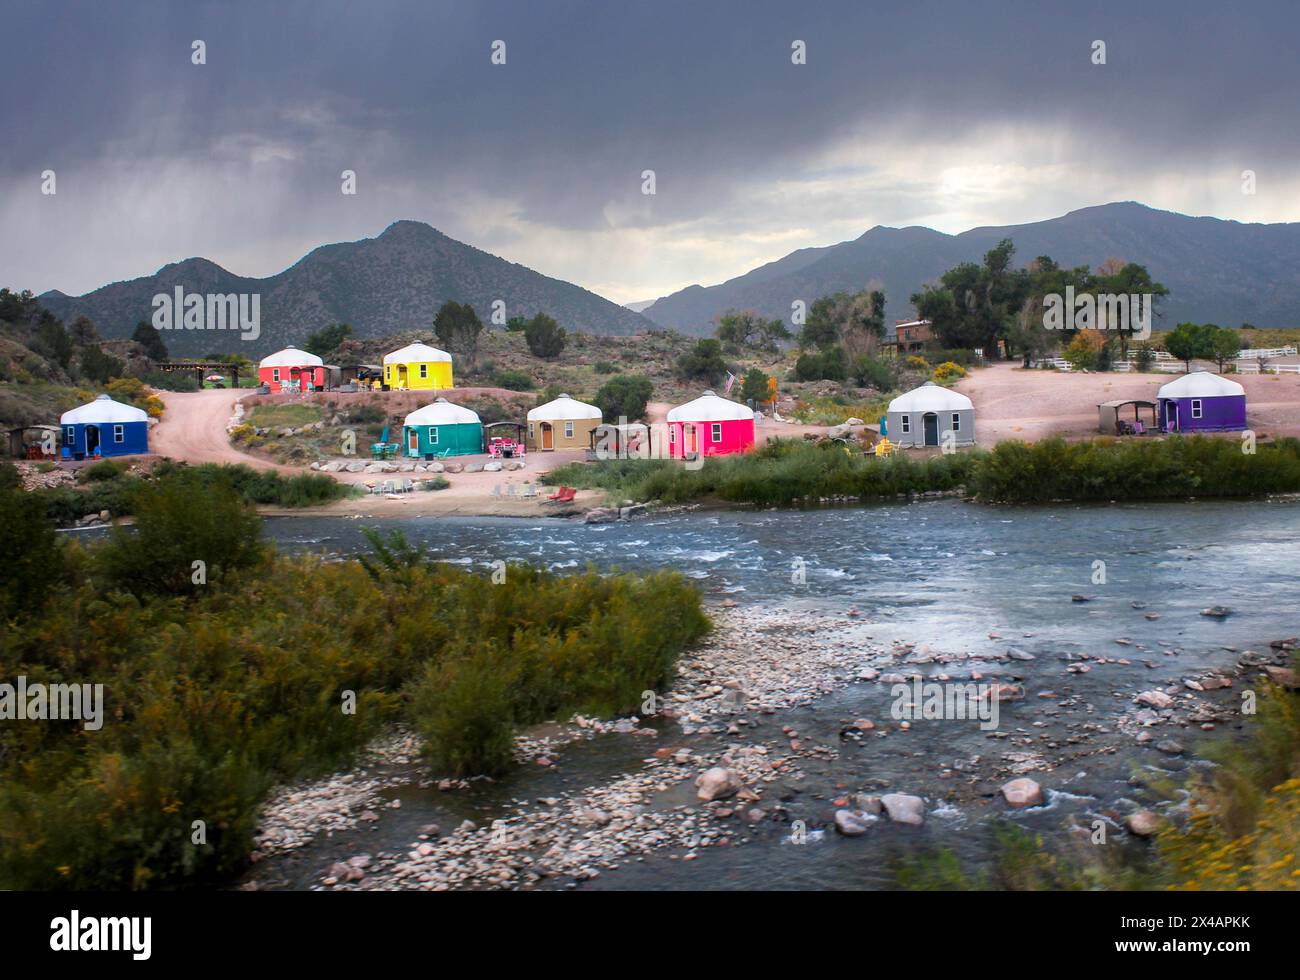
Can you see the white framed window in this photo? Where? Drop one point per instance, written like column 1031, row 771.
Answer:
column 275, row 375
column 1196, row 408
column 70, row 435
column 672, row 435
column 568, row 430
column 433, row 435
column 907, row 424
column 119, row 433
column 717, row 432
column 530, row 430
column 424, row 370
column 956, row 421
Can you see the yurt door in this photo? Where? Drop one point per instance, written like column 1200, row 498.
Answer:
column 92, row 439
column 548, row 436
column 688, row 436
column 1171, row 416
column 931, row 429
column 413, row 442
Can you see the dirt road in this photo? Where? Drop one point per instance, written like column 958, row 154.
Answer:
column 193, row 429
column 1013, row 403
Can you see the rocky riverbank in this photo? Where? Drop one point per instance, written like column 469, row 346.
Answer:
column 727, row 760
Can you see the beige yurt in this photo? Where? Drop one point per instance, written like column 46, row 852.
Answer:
column 564, row 423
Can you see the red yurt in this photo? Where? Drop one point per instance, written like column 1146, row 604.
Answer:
column 710, row 426
column 293, row 369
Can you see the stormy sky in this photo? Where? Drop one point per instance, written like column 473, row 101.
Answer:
column 950, row 115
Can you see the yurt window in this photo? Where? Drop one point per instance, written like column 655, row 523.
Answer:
column 119, row 434
column 717, row 431
column 275, row 375
column 530, row 430
column 433, row 435
column 424, row 370
column 1196, row 408
column 907, row 424
column 70, row 434
column 672, row 435
column 568, row 430
column 956, row 421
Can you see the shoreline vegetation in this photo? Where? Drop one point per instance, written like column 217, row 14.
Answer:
column 209, row 703
column 788, row 473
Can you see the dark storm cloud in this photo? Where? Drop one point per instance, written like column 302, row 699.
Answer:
column 592, row 95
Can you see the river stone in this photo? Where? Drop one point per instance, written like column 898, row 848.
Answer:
column 450, row 468
column 1023, row 792
column 851, row 824
column 717, row 784
column 357, row 467
column 473, row 467
column 904, row 808
column 1143, row 823
column 1156, row 699
column 434, row 467
column 863, row 803
column 1170, row 746
column 492, row 466
column 1284, row 676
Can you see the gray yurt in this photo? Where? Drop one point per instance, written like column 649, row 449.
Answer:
column 924, row 414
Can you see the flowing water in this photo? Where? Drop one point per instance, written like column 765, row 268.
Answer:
column 945, row 575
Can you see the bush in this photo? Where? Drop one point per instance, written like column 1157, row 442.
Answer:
column 604, row 367
column 105, row 469
column 624, row 396
column 180, row 521
column 871, row 372
column 545, row 337
column 514, row 380
column 825, row 365
column 703, row 362
column 948, row 371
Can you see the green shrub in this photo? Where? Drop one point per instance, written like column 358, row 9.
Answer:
column 515, row 380
column 106, row 469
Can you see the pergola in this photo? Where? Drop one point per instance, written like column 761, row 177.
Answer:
column 1112, row 421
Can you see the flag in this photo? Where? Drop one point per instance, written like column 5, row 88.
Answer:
column 731, row 380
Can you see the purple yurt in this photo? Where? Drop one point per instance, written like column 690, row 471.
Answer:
column 1202, row 402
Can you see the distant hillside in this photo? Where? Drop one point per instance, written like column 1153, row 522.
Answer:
column 1217, row 271
column 382, row 285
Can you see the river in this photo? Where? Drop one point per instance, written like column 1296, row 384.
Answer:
column 945, row 576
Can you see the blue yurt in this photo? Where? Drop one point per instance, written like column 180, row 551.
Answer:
column 104, row 428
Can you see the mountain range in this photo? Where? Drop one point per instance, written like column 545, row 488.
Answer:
column 394, row 282
column 1217, row 271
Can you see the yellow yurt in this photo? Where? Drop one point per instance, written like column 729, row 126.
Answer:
column 417, row 366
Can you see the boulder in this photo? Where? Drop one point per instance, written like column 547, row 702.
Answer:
column 1023, row 792
column 1143, row 823
column 904, row 808
column 852, row 824
column 473, row 467
column 1155, row 699
column 492, row 466
column 434, row 467
column 717, row 784
column 357, row 467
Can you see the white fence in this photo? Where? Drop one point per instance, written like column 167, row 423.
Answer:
column 1269, row 369
column 1255, row 353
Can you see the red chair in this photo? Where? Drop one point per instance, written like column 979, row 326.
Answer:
column 565, row 495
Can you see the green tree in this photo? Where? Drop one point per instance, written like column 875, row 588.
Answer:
column 181, row 519
column 457, row 328
column 703, row 362
column 1224, row 346
column 149, row 337
column 624, row 396
column 99, row 367
column 754, row 387
column 327, row 340
column 517, row 324
column 32, row 559
column 1188, row 341
column 545, row 337
column 746, row 330
column 83, row 331
column 52, row 342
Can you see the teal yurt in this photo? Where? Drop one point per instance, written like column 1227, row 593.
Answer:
column 442, row 429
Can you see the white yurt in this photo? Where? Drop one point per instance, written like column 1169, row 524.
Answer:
column 922, row 416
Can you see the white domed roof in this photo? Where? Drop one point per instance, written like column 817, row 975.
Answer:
column 1200, row 384
column 710, row 408
column 931, row 397
column 563, row 409
column 442, row 412
column 416, row 354
column 290, row 357
column 103, row 410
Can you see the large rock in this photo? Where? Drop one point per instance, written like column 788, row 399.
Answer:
column 904, row 808
column 434, row 467
column 473, row 467
column 357, row 467
column 492, row 466
column 852, row 824
column 1143, row 823
column 1022, row 792
column 717, row 784
column 601, row 515
column 1155, row 699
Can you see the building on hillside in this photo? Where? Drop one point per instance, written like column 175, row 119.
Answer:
column 1202, row 402
column 417, row 367
column 104, row 428
column 910, row 336
column 710, row 426
column 442, row 429
column 291, row 369
column 924, row 415
column 564, row 423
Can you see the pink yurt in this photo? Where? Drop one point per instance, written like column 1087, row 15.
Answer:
column 710, row 426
